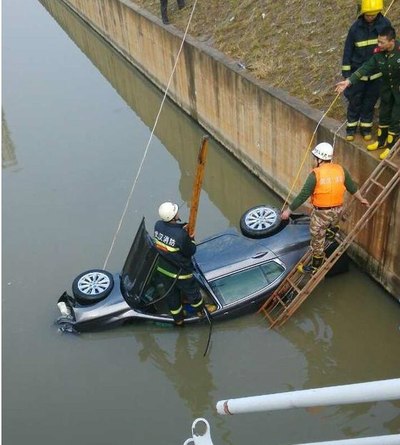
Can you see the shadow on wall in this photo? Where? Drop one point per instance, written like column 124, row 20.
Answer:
column 229, row 185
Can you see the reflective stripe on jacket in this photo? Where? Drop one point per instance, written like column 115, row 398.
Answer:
column 173, row 275
column 175, row 247
column 361, row 40
column 329, row 189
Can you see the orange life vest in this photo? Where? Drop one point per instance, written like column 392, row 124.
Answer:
column 329, row 189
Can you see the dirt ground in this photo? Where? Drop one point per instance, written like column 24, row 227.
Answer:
column 294, row 45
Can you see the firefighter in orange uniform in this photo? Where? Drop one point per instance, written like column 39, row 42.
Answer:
column 326, row 186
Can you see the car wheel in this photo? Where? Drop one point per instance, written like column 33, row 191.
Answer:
column 260, row 221
column 92, row 286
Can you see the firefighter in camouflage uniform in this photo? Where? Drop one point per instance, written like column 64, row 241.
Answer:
column 325, row 185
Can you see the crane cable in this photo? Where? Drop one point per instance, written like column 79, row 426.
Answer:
column 312, row 137
column 151, row 136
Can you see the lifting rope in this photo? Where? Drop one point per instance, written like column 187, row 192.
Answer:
column 156, row 122
column 312, row 136
column 308, row 149
column 150, row 138
column 387, row 10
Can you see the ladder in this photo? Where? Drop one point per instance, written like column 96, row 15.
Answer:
column 297, row 286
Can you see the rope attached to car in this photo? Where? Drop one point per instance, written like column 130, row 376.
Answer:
column 151, row 136
column 316, row 128
column 308, row 149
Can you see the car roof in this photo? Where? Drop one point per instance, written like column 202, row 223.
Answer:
column 230, row 250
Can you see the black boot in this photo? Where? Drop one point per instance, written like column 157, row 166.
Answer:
column 164, row 15
column 391, row 140
column 181, row 4
column 178, row 315
column 316, row 263
column 331, row 233
column 381, row 142
column 350, row 132
column 366, row 133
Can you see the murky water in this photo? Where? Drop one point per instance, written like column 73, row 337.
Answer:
column 73, row 137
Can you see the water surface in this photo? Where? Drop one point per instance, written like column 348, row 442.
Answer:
column 76, row 120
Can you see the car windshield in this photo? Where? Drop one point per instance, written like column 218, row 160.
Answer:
column 234, row 287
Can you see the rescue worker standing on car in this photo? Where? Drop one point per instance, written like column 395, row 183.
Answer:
column 176, row 248
column 361, row 40
column 325, row 185
column 386, row 58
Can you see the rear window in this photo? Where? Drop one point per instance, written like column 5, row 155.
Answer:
column 239, row 285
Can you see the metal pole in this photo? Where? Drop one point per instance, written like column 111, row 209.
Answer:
column 393, row 439
column 334, row 395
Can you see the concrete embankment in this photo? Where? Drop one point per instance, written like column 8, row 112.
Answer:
column 265, row 128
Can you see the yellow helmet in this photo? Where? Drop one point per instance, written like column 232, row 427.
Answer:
column 371, row 6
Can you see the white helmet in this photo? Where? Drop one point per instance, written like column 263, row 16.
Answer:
column 323, row 151
column 168, row 211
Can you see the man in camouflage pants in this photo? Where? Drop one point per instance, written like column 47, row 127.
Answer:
column 325, row 185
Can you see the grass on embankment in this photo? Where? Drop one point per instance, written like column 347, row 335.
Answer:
column 294, row 45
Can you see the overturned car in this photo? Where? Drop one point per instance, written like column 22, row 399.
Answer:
column 236, row 272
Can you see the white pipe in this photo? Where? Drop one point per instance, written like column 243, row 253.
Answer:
column 202, row 436
column 334, row 395
column 393, row 439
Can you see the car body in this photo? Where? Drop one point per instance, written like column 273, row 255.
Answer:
column 236, row 273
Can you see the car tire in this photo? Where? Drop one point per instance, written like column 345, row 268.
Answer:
column 92, row 286
column 260, row 221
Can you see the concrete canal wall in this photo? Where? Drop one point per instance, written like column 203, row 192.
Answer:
column 265, row 128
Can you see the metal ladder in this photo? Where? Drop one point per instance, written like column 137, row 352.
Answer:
column 297, row 286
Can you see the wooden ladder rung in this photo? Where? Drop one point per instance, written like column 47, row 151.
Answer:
column 294, row 286
column 272, row 303
column 377, row 183
column 277, row 297
column 284, row 310
column 271, row 320
column 391, row 164
column 276, row 310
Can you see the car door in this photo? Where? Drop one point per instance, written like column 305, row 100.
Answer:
column 139, row 267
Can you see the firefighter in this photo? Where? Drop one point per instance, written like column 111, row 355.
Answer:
column 164, row 7
column 359, row 46
column 176, row 248
column 386, row 58
column 325, row 185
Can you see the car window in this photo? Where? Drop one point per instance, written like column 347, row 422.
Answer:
column 241, row 284
column 272, row 270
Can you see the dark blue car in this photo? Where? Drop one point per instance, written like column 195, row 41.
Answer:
column 237, row 272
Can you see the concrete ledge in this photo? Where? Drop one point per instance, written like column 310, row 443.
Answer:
column 268, row 130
